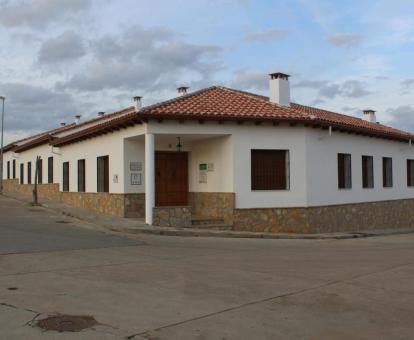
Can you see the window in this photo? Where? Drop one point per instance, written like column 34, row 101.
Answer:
column 269, row 169
column 387, row 172
column 65, row 176
column 367, row 172
column 81, row 175
column 21, row 173
column 50, row 170
column 344, row 171
column 40, row 171
column 8, row 169
column 410, row 172
column 29, row 172
column 14, row 169
column 103, row 173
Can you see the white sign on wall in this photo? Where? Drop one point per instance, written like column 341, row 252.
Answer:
column 135, row 166
column 136, row 179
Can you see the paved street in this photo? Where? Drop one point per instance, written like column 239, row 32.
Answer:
column 153, row 287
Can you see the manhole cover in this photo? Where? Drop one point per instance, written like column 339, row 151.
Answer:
column 67, row 323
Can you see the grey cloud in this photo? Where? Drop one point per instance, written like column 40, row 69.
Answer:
column 265, row 36
column 65, row 47
column 35, row 108
column 143, row 59
column 407, row 83
column 344, row 39
column 348, row 88
column 403, row 117
column 249, row 80
column 39, row 13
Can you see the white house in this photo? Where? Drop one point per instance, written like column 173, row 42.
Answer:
column 222, row 155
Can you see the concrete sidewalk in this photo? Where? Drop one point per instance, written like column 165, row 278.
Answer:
column 138, row 226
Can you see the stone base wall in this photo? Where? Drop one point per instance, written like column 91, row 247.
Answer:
column 213, row 204
column 44, row 191
column 178, row 217
column 337, row 218
column 124, row 205
column 134, row 205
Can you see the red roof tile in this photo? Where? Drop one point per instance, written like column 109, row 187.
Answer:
column 217, row 103
column 224, row 103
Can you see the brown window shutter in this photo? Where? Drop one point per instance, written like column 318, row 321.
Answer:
column 268, row 169
column 29, row 173
column 66, row 176
column 21, row 173
column 50, row 170
column 103, row 174
column 341, row 171
column 40, row 171
column 81, row 176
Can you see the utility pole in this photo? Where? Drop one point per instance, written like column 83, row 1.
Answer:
column 3, row 99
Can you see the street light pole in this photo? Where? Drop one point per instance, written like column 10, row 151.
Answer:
column 1, row 149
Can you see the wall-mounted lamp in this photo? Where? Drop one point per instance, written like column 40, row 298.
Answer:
column 179, row 145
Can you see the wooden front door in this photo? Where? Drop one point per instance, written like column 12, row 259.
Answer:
column 171, row 181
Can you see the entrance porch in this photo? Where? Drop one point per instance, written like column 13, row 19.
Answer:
column 185, row 177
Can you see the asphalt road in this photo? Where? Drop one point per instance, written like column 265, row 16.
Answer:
column 200, row 288
column 27, row 229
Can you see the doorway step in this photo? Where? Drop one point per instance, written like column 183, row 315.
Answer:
column 209, row 223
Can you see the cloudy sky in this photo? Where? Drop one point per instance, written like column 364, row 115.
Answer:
column 60, row 58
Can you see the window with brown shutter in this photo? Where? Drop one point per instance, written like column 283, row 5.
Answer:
column 21, row 173
column 410, row 172
column 387, row 177
column 14, row 169
column 65, row 178
column 8, row 169
column 40, row 171
column 50, row 170
column 81, row 175
column 367, row 172
column 103, row 174
column 344, row 171
column 269, row 169
column 29, row 173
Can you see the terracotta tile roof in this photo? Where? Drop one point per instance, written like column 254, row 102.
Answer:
column 96, row 127
column 35, row 140
column 215, row 103
column 224, row 103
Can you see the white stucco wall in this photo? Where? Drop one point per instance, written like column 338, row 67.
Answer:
column 112, row 145
column 44, row 151
column 313, row 161
column 322, row 174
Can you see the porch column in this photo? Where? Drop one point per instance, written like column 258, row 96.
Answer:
column 149, row 177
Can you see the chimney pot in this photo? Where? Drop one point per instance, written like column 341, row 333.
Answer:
column 279, row 89
column 77, row 119
column 369, row 116
column 137, row 103
column 101, row 114
column 63, row 124
column 182, row 91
